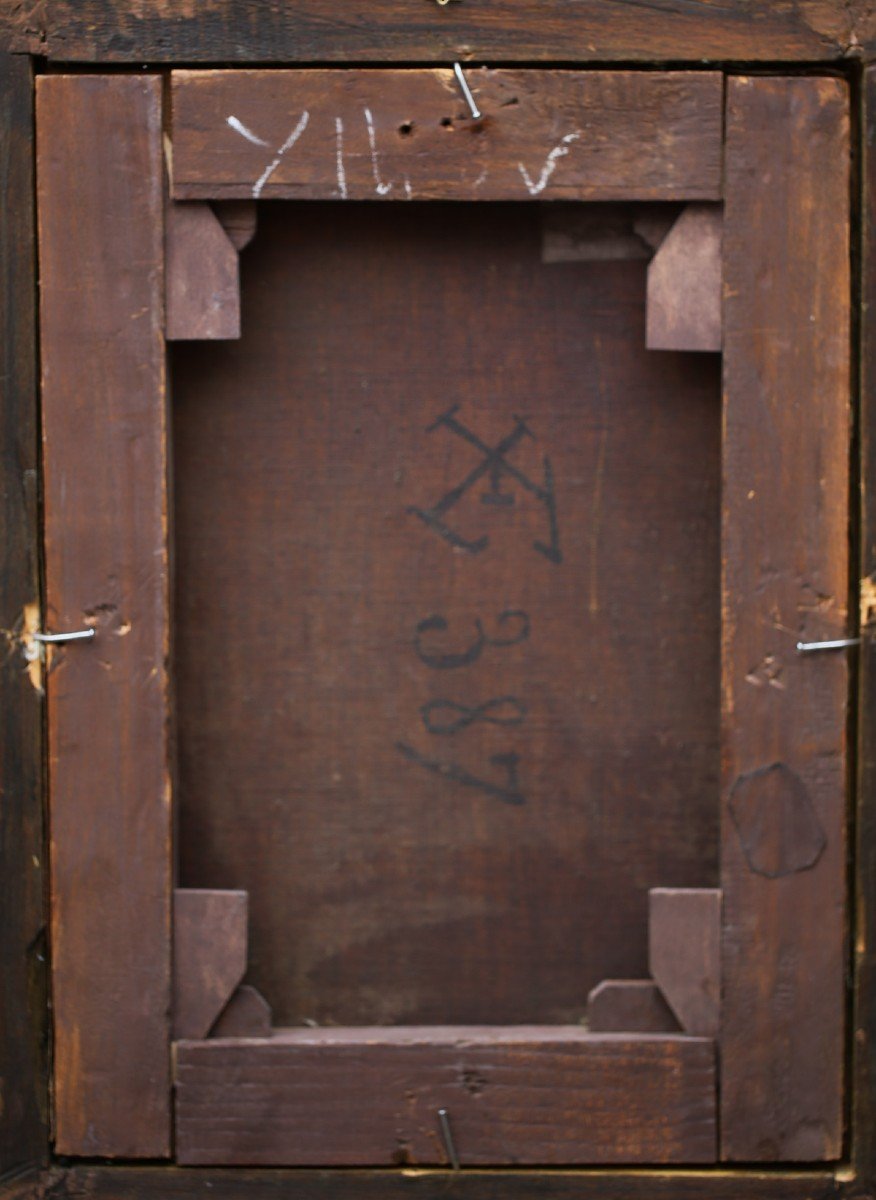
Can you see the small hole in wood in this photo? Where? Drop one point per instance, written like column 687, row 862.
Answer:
column 406, row 128
column 447, row 122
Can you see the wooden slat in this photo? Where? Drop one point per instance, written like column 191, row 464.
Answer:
column 684, row 954
column 785, row 520
column 388, row 134
column 539, row 1094
column 101, row 253
column 508, row 30
column 209, row 956
column 23, row 1136
column 93, row 1182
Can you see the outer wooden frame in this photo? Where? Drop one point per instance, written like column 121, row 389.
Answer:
column 103, row 32
column 313, row 31
column 23, row 1027
column 786, row 425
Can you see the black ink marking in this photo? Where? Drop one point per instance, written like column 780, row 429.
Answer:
column 503, row 710
column 451, row 661
column 447, row 662
column 552, row 550
column 776, row 822
column 510, row 793
column 495, row 464
column 510, row 614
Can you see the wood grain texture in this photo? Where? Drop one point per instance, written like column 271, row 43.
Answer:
column 104, row 1182
column 301, row 454
column 96, row 1182
column 225, row 31
column 629, row 1006
column 389, row 134
column 684, row 954
column 684, row 283
column 101, row 253
column 786, row 447
column 23, row 1134
column 247, row 1014
column 517, row 1095
column 863, row 1107
column 201, row 275
column 209, row 956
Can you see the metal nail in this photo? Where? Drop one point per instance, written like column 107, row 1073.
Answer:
column 466, row 91
column 447, row 1134
column 80, row 635
column 836, row 644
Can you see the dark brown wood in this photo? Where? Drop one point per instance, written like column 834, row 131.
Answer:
column 786, row 447
column 209, row 956
column 101, row 254
column 538, row 1095
column 247, row 1014
column 863, row 1073
column 239, row 219
column 388, row 134
column 684, row 283
column 201, row 276
column 629, row 1006
column 602, row 232
column 147, row 1183
column 684, row 954
column 508, row 30
column 23, row 1134
column 381, row 890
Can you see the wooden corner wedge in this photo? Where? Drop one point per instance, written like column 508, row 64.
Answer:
column 684, row 952
column 209, row 956
column 246, row 1015
column 202, row 278
column 684, row 283
column 629, row 1006
column 239, row 219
